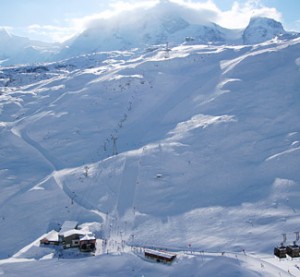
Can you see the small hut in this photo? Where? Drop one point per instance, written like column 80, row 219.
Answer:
column 159, row 256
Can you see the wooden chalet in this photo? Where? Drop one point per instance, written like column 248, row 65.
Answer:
column 159, row 256
column 87, row 243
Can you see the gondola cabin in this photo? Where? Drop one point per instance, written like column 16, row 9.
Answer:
column 293, row 251
column 280, row 252
column 159, row 256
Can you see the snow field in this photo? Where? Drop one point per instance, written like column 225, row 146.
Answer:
column 198, row 149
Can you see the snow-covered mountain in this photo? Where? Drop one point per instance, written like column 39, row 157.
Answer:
column 140, row 28
column 262, row 29
column 192, row 148
column 165, row 22
column 195, row 152
column 19, row 50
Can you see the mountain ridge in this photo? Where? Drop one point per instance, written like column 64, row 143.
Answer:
column 147, row 30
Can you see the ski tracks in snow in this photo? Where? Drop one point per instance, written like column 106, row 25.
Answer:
column 81, row 201
column 55, row 167
column 128, row 185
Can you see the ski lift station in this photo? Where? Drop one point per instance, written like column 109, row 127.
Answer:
column 70, row 236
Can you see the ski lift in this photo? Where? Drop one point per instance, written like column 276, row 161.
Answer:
column 294, row 250
column 167, row 51
column 280, row 251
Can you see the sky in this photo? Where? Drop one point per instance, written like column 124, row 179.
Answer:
column 58, row 20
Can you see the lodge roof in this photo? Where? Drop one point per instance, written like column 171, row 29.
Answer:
column 67, row 226
column 161, row 254
column 51, row 236
column 88, row 236
column 75, row 232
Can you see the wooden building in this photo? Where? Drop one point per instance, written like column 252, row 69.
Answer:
column 87, row 243
column 71, row 238
column 159, row 256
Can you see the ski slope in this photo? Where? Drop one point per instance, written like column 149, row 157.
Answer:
column 201, row 149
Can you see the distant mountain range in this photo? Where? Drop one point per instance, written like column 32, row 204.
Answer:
column 18, row 50
column 153, row 27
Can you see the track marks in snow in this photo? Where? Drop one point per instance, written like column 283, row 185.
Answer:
column 287, row 152
column 79, row 199
column 128, row 185
column 55, row 163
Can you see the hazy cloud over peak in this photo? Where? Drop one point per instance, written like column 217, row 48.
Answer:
column 193, row 12
column 129, row 12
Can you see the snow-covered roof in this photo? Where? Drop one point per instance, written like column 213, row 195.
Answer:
column 67, row 226
column 75, row 232
column 88, row 237
column 162, row 254
column 52, row 236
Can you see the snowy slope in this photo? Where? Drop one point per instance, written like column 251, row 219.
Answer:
column 201, row 149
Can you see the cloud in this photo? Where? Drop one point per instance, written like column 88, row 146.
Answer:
column 295, row 26
column 237, row 17
column 8, row 29
column 194, row 12
column 130, row 12
column 239, row 14
column 118, row 10
column 50, row 32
